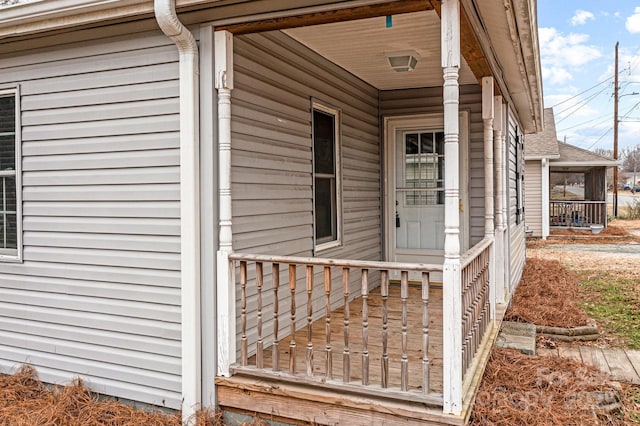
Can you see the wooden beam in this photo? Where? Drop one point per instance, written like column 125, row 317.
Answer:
column 470, row 48
column 300, row 403
column 338, row 15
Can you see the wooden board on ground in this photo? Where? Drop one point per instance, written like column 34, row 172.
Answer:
column 594, row 357
column 620, row 366
column 570, row 352
column 634, row 359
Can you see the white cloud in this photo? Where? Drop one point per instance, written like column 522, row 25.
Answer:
column 633, row 22
column 581, row 17
column 562, row 54
column 559, row 50
column 555, row 75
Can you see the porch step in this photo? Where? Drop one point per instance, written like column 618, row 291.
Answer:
column 517, row 335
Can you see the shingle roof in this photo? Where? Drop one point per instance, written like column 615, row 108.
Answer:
column 573, row 154
column 543, row 144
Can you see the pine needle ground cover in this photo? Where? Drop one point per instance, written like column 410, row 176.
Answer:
column 26, row 401
column 518, row 389
column 547, row 295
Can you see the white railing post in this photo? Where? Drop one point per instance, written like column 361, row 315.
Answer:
column 226, row 295
column 489, row 229
column 499, row 244
column 452, row 293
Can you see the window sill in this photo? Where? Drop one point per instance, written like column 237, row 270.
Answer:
column 326, row 246
column 6, row 258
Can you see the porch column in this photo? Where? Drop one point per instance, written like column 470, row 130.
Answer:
column 226, row 300
column 452, row 296
column 500, row 178
column 545, row 198
column 487, row 119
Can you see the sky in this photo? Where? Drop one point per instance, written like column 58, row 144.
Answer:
column 577, row 43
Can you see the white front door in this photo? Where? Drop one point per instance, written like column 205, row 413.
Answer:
column 414, row 189
column 419, row 194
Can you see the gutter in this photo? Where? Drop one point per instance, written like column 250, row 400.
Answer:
column 50, row 15
column 610, row 163
column 165, row 12
column 541, row 157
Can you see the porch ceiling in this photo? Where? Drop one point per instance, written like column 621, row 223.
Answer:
column 361, row 47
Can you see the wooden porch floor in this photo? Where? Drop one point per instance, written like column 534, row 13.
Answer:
column 375, row 347
column 299, row 399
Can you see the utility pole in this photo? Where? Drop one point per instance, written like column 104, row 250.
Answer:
column 615, row 134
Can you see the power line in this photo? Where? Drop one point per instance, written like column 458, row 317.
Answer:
column 601, row 120
column 598, row 140
column 608, row 130
column 578, row 107
column 582, row 93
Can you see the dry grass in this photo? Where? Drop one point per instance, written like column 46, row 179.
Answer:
column 612, row 234
column 610, row 231
column 609, row 288
column 517, row 389
column 523, row 390
column 546, row 295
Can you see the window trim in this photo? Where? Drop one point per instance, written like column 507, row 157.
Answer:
column 337, row 114
column 519, row 177
column 11, row 255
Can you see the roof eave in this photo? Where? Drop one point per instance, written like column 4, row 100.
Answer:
column 526, row 20
column 541, row 157
column 46, row 15
column 610, row 163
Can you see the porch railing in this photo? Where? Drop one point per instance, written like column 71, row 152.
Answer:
column 334, row 280
column 577, row 214
column 476, row 309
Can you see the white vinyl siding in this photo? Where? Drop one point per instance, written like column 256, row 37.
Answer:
column 98, row 292
column 276, row 79
column 533, row 196
column 516, row 226
column 426, row 100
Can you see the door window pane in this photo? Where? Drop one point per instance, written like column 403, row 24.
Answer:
column 424, row 168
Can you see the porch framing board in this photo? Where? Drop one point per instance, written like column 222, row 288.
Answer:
column 352, row 13
column 301, row 402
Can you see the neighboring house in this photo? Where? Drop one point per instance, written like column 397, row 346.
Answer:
column 574, row 206
column 344, row 179
column 539, row 149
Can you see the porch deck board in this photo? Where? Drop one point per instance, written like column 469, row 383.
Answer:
column 375, row 346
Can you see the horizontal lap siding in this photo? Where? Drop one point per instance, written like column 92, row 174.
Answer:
column 516, row 230
column 533, row 196
column 98, row 294
column 429, row 100
column 275, row 80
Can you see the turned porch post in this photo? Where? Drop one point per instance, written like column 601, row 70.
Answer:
column 226, row 300
column 499, row 132
column 452, row 296
column 489, row 230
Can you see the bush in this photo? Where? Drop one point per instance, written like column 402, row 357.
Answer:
column 633, row 211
